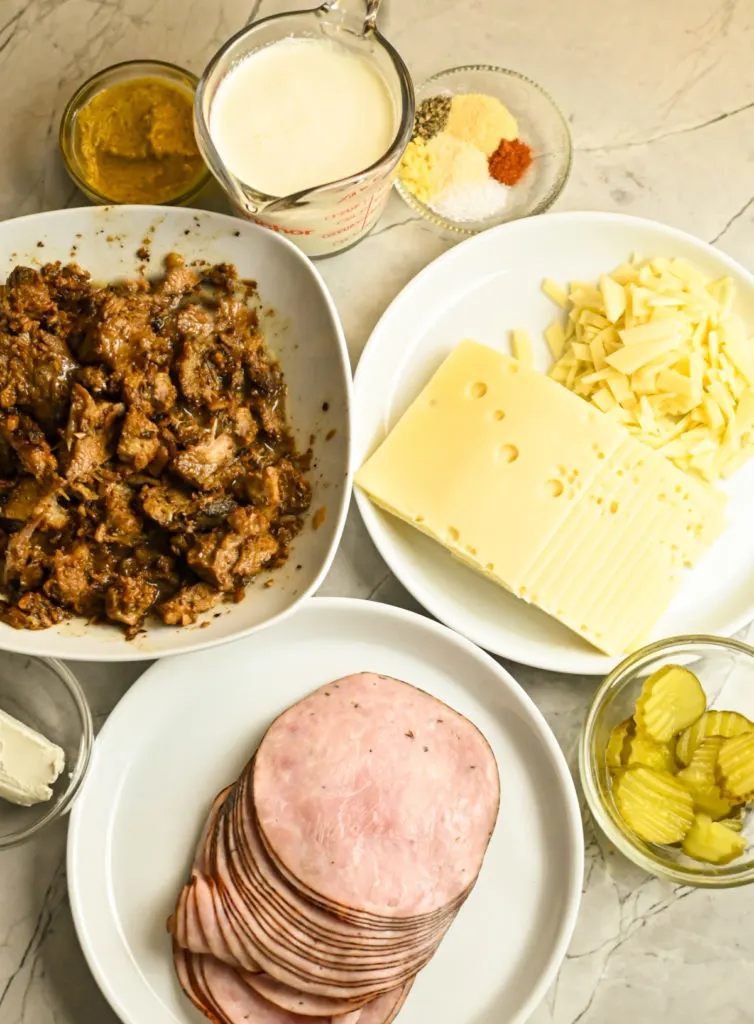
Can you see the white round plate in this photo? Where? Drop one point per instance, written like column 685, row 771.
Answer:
column 188, row 726
column 482, row 289
column 305, row 335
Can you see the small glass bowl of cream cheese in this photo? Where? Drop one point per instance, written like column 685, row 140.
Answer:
column 44, row 696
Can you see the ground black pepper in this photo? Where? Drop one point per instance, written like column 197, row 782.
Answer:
column 431, row 117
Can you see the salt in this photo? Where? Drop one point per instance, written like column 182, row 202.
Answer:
column 471, row 200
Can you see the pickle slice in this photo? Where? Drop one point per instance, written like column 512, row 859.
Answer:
column 617, row 745
column 644, row 750
column 734, row 824
column 712, row 723
column 712, row 842
column 671, row 699
column 654, row 804
column 699, row 777
column 735, row 767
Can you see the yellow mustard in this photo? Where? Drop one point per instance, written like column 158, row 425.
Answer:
column 136, row 141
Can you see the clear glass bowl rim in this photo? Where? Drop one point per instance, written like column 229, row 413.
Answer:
column 78, row 771
column 65, row 136
column 541, row 207
column 631, row 847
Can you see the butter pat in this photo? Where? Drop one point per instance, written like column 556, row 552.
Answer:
column 29, row 763
column 539, row 491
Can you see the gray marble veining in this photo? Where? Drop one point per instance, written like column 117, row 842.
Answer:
column 660, row 98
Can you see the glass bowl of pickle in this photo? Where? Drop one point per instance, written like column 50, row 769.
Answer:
column 667, row 760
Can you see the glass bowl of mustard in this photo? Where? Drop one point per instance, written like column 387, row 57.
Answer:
column 127, row 135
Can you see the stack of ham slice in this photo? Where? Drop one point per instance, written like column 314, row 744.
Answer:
column 327, row 876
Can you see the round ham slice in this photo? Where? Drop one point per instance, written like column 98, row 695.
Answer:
column 385, row 1008
column 300, row 1002
column 209, row 826
column 223, row 995
column 274, row 935
column 180, row 960
column 376, row 798
column 235, row 1002
column 309, row 939
column 325, row 878
column 275, row 892
column 177, row 920
column 195, row 938
column 276, row 956
column 218, row 928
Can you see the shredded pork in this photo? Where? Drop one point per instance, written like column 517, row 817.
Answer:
column 146, row 464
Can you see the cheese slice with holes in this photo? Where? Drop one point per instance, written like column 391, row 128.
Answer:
column 544, row 494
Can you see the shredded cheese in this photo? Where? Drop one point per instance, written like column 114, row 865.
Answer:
column 521, row 344
column 657, row 346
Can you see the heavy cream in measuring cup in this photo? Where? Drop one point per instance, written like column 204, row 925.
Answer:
column 301, row 113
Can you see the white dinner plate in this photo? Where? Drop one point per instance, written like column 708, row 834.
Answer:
column 304, row 333
column 188, row 726
column 483, row 289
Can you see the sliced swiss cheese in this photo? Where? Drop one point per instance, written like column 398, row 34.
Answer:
column 538, row 490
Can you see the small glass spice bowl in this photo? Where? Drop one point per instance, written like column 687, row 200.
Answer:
column 541, row 126
column 105, row 79
column 725, row 669
column 45, row 695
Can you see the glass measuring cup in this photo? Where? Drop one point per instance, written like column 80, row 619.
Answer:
column 332, row 216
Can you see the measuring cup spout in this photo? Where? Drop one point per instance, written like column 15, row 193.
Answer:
column 362, row 14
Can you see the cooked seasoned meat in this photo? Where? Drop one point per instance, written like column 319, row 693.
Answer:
column 30, row 499
column 30, row 445
column 243, row 425
column 27, row 294
column 22, row 501
column 119, row 335
column 285, row 488
column 201, row 464
column 176, row 509
column 32, row 611
column 279, row 485
column 8, row 459
column 179, row 279
column 168, row 506
column 188, row 603
column 212, row 509
column 182, row 427
column 25, row 559
column 229, row 556
column 150, row 390
column 95, row 379
column 89, row 437
column 36, row 373
column 146, row 467
column 267, row 391
column 70, row 288
column 139, row 440
column 78, row 578
column 129, row 599
column 199, row 376
column 121, row 524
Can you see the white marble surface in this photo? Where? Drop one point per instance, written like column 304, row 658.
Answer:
column 660, row 98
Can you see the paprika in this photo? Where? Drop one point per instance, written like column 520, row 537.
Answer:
column 510, row 161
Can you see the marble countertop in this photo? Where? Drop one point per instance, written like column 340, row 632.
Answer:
column 660, row 99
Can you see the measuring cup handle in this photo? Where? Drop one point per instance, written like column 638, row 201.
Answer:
column 362, row 11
